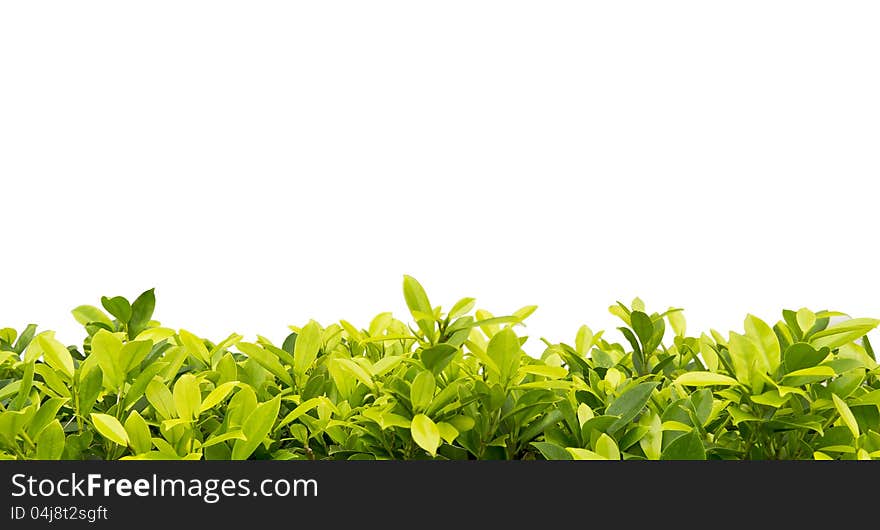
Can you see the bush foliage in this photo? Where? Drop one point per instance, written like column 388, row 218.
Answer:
column 452, row 384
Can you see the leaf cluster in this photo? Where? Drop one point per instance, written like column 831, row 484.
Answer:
column 453, row 384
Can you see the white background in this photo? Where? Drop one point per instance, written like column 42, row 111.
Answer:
column 263, row 163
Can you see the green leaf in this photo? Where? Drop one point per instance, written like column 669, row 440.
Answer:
column 86, row 314
column 748, row 362
column 138, row 433
column 256, row 427
column 422, row 391
column 141, row 313
column 187, row 397
column 301, row 409
column 836, row 335
column 195, row 346
column 419, row 305
column 355, row 369
column 437, row 357
column 267, row 360
column 505, row 350
column 50, row 442
column 643, row 326
column 846, row 415
column 225, row 437
column 807, row 376
column 578, row 453
column 107, row 349
column 607, row 447
column 553, row 372
column 686, row 447
column 551, row 451
column 652, row 442
column 217, row 395
column 806, row 319
column 161, row 399
column 110, row 428
column 766, row 342
column 705, row 379
column 55, row 354
column 801, row 355
column 629, row 404
column 677, row 322
column 305, row 350
column 117, row 306
column 132, row 353
column 425, row 433
column 88, row 389
column 44, row 415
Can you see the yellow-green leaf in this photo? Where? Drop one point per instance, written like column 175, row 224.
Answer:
column 846, row 415
column 425, row 433
column 55, row 354
column 110, row 428
column 705, row 379
column 187, row 397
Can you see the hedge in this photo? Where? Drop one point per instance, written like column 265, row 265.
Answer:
column 452, row 384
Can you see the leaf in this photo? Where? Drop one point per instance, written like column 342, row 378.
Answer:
column 846, row 415
column 225, row 437
column 801, row 355
column 55, row 354
column 677, row 322
column 44, row 415
column 132, row 353
column 117, row 306
column 217, row 395
column 629, row 404
column 356, row 370
column 652, row 442
column 806, row 376
column 766, row 342
column 305, row 351
column 551, row 451
column 161, row 399
column 505, row 350
column 447, row 432
column 419, row 306
column 584, row 340
column 141, row 312
column 705, row 379
column 267, row 360
column 110, row 428
column 107, row 347
column 461, row 308
column 643, row 326
column 138, row 433
column 187, row 397
column 746, row 359
column 256, row 427
column 607, row 447
column 686, row 447
column 806, row 319
column 86, row 314
column 88, row 389
column 50, row 442
column 578, row 453
column 437, row 357
column 422, row 391
column 553, row 372
column 836, row 335
column 301, row 409
column 425, row 433
column 195, row 346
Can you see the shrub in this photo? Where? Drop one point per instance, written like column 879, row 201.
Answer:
column 452, row 385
